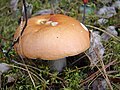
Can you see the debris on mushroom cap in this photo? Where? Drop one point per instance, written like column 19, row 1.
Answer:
column 41, row 21
column 54, row 23
column 54, row 39
column 47, row 22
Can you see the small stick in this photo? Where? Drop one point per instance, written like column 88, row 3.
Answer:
column 17, row 39
column 84, row 12
column 83, row 19
column 104, row 71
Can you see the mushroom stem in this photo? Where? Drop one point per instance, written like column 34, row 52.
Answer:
column 57, row 65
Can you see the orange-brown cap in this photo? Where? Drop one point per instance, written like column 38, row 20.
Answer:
column 52, row 37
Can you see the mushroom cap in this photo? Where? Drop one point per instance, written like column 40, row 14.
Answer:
column 52, row 37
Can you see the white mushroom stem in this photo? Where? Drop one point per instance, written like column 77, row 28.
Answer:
column 57, row 65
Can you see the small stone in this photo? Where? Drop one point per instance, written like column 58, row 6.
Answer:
column 111, row 30
column 102, row 21
column 107, row 11
column 10, row 79
column 95, row 46
column 4, row 67
column 116, row 4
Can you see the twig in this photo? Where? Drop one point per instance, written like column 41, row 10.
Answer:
column 26, row 18
column 104, row 70
column 83, row 18
column 96, row 65
column 17, row 39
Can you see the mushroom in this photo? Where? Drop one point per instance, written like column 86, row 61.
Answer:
column 52, row 37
